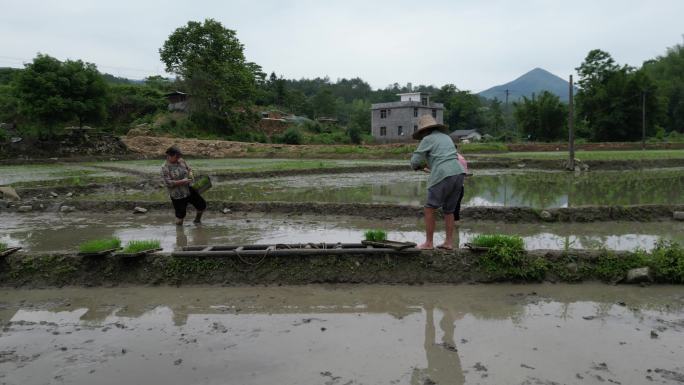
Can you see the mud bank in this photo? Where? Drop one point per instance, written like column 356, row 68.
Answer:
column 638, row 213
column 406, row 267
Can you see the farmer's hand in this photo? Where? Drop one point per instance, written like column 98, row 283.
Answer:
column 183, row 182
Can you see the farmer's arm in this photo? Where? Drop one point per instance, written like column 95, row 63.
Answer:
column 169, row 181
column 419, row 157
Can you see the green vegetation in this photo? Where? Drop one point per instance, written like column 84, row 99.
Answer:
column 228, row 92
column 506, row 258
column 375, row 235
column 98, row 245
column 133, row 247
column 542, row 119
column 494, row 240
column 598, row 155
column 3, row 246
column 667, row 261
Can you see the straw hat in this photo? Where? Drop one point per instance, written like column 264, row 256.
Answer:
column 427, row 124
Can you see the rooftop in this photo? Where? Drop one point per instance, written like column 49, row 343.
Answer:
column 377, row 106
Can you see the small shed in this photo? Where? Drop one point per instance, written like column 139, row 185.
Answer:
column 469, row 135
column 178, row 101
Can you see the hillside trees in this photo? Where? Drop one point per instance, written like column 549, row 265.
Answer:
column 542, row 118
column 51, row 92
column 667, row 73
column 609, row 101
column 210, row 61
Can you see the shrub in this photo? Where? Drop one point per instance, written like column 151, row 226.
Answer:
column 668, row 262
column 354, row 133
column 3, row 246
column 133, row 247
column 98, row 245
column 292, row 136
column 375, row 235
column 612, row 268
column 506, row 258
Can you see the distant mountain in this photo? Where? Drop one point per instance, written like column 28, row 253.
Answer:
column 535, row 81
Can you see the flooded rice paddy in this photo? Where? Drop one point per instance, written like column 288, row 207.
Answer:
column 334, row 335
column 44, row 232
column 504, row 188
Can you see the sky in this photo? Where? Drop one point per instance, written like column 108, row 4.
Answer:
column 472, row 44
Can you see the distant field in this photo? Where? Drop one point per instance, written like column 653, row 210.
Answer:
column 596, row 155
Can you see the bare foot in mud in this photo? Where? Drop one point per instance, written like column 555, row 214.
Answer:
column 425, row 246
column 444, row 246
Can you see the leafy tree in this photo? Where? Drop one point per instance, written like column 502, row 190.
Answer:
column 209, row 60
column 542, row 118
column 462, row 111
column 159, row 83
column 324, row 103
column 52, row 92
column 667, row 73
column 609, row 100
column 131, row 102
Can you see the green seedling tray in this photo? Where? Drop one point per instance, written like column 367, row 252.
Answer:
column 102, row 253
column 476, row 248
column 138, row 254
column 395, row 245
column 9, row 251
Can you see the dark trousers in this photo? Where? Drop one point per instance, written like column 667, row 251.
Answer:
column 457, row 212
column 181, row 205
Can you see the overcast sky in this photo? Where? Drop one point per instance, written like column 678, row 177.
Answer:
column 473, row 44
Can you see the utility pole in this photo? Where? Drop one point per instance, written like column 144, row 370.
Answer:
column 507, row 92
column 643, row 120
column 571, row 127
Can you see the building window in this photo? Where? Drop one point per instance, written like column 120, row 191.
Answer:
column 389, row 112
column 423, row 101
column 434, row 114
column 383, row 114
column 400, row 131
column 415, row 128
column 415, row 112
column 383, row 131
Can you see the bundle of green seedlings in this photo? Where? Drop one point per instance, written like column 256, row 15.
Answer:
column 498, row 240
column 133, row 247
column 375, row 235
column 506, row 258
column 97, row 245
column 3, row 246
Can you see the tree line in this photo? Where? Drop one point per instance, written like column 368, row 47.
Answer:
column 227, row 91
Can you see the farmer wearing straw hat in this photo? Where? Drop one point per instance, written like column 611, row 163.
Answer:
column 437, row 150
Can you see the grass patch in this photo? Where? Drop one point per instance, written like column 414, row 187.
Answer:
column 97, row 245
column 3, row 246
column 133, row 247
column 495, row 240
column 375, row 235
column 507, row 260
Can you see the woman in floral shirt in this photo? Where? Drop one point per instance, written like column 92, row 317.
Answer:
column 177, row 176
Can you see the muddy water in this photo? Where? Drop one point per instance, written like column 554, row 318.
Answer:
column 53, row 231
column 497, row 334
column 507, row 188
column 11, row 175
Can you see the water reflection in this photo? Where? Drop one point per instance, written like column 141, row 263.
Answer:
column 49, row 232
column 509, row 188
column 342, row 334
